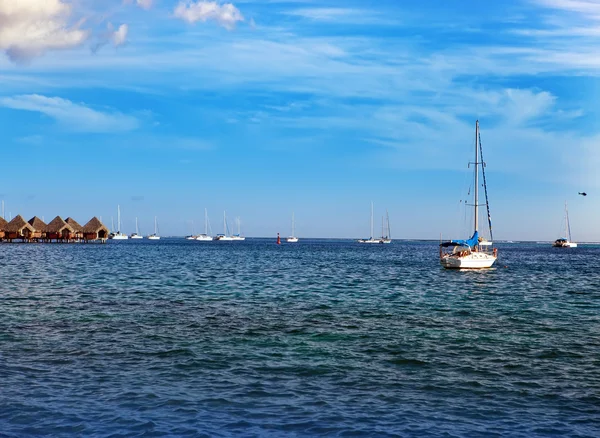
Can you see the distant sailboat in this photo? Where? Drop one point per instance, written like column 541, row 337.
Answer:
column 238, row 236
column 225, row 236
column 386, row 235
column 137, row 234
column 371, row 239
column 205, row 237
column 118, row 235
column 154, row 236
column 292, row 238
column 472, row 253
column 565, row 242
column 193, row 235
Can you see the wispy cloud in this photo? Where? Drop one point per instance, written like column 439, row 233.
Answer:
column 339, row 15
column 73, row 116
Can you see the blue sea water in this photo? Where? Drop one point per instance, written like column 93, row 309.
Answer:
column 319, row 338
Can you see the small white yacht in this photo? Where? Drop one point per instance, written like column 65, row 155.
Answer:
column 137, row 234
column 118, row 235
column 372, row 239
column 292, row 238
column 225, row 236
column 565, row 242
column 238, row 236
column 476, row 252
column 154, row 236
column 205, row 237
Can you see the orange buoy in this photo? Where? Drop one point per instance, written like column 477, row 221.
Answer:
column 278, row 239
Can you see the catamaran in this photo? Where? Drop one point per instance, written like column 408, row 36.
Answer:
column 292, row 238
column 205, row 237
column 565, row 242
column 137, row 234
column 225, row 236
column 372, row 239
column 476, row 252
column 154, row 236
column 118, row 235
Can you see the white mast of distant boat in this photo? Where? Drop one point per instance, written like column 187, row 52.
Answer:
column 205, row 237
column 471, row 253
column 566, row 241
column 154, row 236
column 371, row 239
column 224, row 236
column 293, row 238
column 137, row 234
column 238, row 236
column 118, row 235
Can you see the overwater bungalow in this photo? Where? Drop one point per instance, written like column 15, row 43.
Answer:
column 19, row 228
column 3, row 225
column 95, row 230
column 77, row 229
column 59, row 230
column 39, row 228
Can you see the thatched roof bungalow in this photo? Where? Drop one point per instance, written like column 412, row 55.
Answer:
column 18, row 228
column 58, row 229
column 3, row 225
column 39, row 228
column 77, row 229
column 95, row 230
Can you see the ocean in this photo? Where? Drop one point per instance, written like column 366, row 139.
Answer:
column 318, row 338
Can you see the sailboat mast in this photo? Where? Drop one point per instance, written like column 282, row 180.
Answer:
column 224, row 224
column 155, row 225
column 372, row 219
column 118, row 218
column 389, row 233
column 567, row 224
column 205, row 221
column 293, row 226
column 476, row 222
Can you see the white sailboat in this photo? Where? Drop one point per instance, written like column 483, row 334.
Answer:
column 205, row 237
column 225, row 236
column 292, row 238
column 137, row 234
column 238, row 236
column 565, row 242
column 193, row 235
column 154, row 236
column 118, row 235
column 473, row 253
column 386, row 235
column 371, row 239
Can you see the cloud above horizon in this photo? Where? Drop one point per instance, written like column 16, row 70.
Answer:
column 75, row 116
column 226, row 15
column 29, row 28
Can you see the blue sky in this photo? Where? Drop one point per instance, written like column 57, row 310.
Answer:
column 265, row 107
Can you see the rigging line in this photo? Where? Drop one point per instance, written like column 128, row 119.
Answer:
column 487, row 203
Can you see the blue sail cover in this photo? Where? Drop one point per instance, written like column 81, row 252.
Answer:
column 470, row 242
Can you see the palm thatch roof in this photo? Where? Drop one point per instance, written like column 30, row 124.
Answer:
column 57, row 225
column 18, row 224
column 3, row 224
column 74, row 224
column 37, row 224
column 94, row 226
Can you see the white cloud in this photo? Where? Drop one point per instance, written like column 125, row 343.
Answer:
column 28, row 28
column 119, row 37
column 227, row 15
column 340, row 15
column 77, row 117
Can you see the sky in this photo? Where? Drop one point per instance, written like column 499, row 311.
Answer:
column 261, row 108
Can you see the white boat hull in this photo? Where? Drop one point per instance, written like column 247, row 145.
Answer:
column 238, row 238
column 564, row 245
column 291, row 239
column 474, row 260
column 119, row 237
column 224, row 238
column 153, row 237
column 204, row 238
column 374, row 241
column 136, row 236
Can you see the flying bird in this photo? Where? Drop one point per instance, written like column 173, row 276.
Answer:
column 583, row 193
